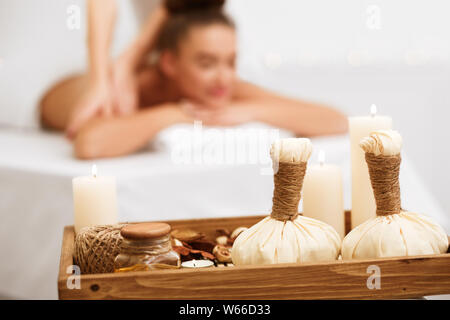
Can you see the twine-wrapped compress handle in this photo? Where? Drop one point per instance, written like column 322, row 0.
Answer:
column 384, row 175
column 288, row 181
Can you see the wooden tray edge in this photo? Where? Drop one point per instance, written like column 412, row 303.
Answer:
column 67, row 249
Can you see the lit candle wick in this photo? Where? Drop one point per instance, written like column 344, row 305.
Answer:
column 373, row 110
column 321, row 157
column 94, row 171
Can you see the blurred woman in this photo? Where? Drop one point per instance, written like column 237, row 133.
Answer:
column 119, row 106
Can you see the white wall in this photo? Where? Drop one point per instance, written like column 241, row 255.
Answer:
column 333, row 32
column 337, row 52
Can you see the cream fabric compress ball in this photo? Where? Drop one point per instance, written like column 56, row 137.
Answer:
column 272, row 241
column 285, row 236
column 401, row 233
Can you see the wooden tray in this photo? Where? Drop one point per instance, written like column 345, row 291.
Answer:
column 400, row 277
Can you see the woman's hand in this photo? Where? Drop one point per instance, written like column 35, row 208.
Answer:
column 125, row 69
column 116, row 95
column 125, row 85
column 230, row 115
column 98, row 100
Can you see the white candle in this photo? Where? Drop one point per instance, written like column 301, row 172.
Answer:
column 363, row 201
column 94, row 200
column 197, row 264
column 323, row 194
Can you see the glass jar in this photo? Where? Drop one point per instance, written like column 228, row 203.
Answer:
column 146, row 246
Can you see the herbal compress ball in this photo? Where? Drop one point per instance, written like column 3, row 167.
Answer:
column 393, row 232
column 285, row 236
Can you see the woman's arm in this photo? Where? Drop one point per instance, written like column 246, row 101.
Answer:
column 68, row 103
column 116, row 136
column 101, row 19
column 126, row 66
column 111, row 87
column 97, row 93
column 301, row 117
column 134, row 55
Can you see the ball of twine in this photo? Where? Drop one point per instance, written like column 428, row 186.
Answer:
column 97, row 247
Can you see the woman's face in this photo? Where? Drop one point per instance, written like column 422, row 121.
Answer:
column 203, row 67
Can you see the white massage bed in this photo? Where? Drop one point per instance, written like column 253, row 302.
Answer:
column 36, row 169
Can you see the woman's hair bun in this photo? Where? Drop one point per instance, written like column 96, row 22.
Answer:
column 180, row 6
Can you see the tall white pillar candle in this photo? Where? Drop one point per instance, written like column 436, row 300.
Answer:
column 94, row 200
column 323, row 194
column 363, row 201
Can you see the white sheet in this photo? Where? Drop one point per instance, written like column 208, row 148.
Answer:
column 36, row 197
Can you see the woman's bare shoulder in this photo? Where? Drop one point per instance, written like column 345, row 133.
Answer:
column 150, row 76
column 153, row 87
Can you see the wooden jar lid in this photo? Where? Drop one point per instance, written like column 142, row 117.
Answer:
column 142, row 231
